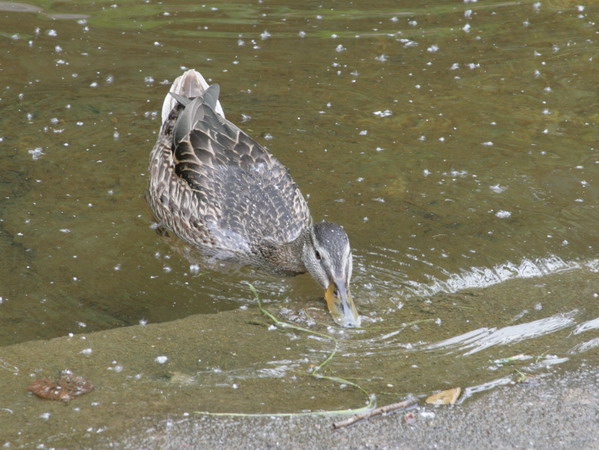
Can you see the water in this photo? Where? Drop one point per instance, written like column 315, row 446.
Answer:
column 456, row 142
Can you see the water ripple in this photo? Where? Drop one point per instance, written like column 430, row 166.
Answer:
column 483, row 338
column 471, row 390
column 585, row 346
column 586, row 326
column 481, row 277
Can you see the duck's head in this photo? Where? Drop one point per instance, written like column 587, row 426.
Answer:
column 327, row 256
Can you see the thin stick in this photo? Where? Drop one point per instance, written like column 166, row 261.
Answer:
column 374, row 412
column 315, row 373
column 280, row 323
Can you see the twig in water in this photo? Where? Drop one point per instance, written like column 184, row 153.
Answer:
column 375, row 412
column 315, row 373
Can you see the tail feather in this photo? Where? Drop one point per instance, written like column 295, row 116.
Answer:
column 193, row 112
column 190, row 84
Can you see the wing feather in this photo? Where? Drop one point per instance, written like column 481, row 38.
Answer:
column 247, row 193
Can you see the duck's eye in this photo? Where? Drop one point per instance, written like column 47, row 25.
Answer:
column 317, row 254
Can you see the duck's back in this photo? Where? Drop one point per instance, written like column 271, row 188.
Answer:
column 218, row 189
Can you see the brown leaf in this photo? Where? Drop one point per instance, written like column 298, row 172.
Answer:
column 65, row 388
column 448, row 397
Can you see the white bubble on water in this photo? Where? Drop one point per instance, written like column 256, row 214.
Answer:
column 385, row 113
column 498, row 189
column 36, row 153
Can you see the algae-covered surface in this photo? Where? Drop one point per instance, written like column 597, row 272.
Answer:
column 455, row 141
column 195, row 367
column 553, row 412
column 178, row 367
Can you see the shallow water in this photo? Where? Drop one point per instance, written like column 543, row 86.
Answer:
column 456, row 142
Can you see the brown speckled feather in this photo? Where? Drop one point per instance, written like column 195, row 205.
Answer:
column 219, row 190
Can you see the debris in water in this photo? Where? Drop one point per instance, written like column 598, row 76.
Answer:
column 448, row 397
column 65, row 388
column 511, row 359
column 409, row 418
column 521, row 377
column 161, row 359
column 36, row 153
column 503, row 214
column 376, row 412
column 385, row 113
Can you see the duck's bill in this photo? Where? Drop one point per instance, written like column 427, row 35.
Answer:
column 341, row 305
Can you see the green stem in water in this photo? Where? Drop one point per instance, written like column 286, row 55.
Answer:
column 315, row 373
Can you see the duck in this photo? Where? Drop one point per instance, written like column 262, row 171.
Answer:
column 220, row 191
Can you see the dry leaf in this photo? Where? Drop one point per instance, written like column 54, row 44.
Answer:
column 448, row 397
column 64, row 388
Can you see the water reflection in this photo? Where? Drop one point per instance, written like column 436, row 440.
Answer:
column 483, row 338
column 586, row 326
column 481, row 277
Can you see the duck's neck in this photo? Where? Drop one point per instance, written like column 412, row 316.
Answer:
column 287, row 259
